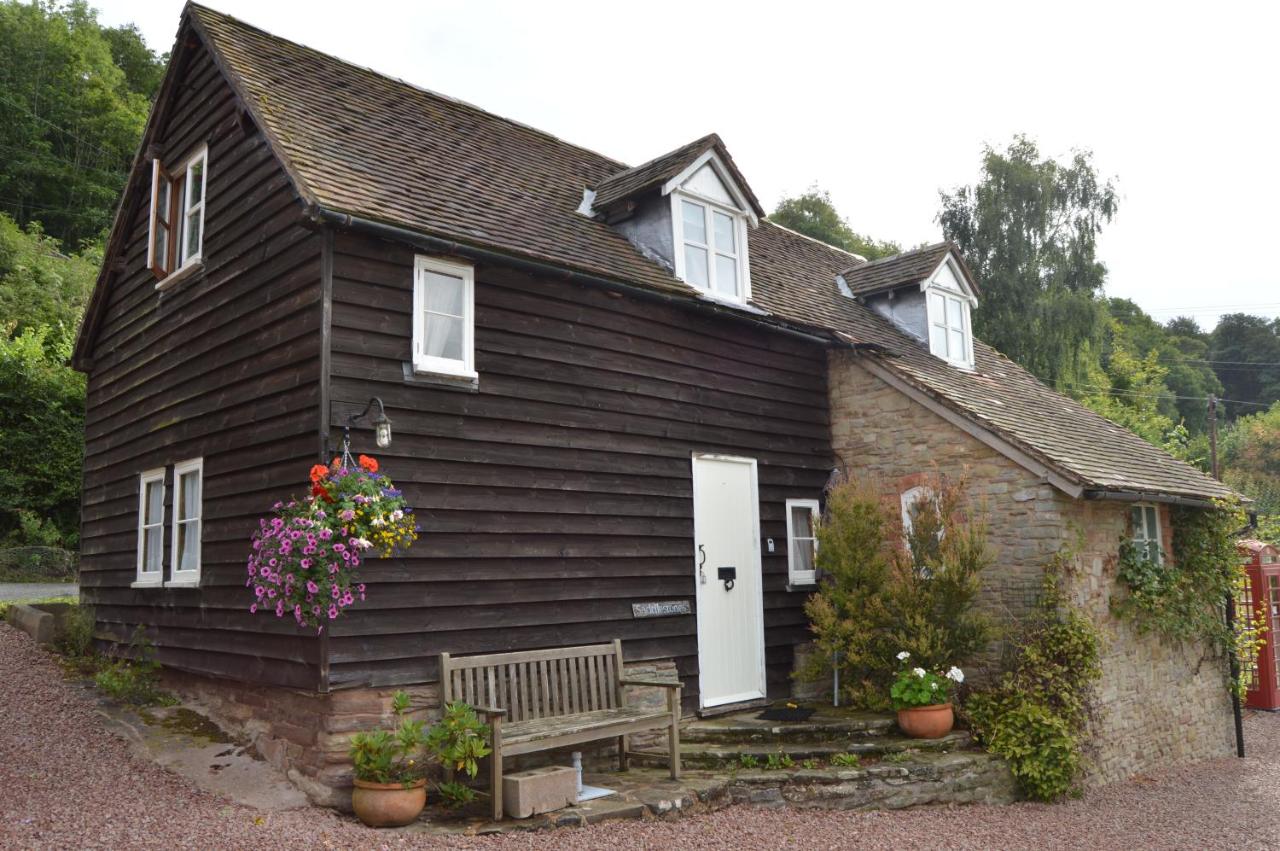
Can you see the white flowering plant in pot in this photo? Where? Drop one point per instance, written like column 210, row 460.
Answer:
column 917, row 687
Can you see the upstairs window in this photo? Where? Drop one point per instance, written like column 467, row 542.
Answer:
column 176, row 234
column 1144, row 532
column 150, row 528
column 950, row 332
column 802, row 541
column 444, row 318
column 711, row 236
column 188, row 499
column 711, row 249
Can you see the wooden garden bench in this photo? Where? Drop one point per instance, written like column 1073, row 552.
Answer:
column 537, row 700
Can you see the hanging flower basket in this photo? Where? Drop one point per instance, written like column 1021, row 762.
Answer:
column 307, row 552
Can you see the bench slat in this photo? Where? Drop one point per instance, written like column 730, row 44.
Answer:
column 491, row 659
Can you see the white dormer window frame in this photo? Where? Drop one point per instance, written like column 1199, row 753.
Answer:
column 948, row 305
column 724, row 246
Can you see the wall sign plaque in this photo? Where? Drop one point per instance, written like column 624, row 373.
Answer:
column 660, row 609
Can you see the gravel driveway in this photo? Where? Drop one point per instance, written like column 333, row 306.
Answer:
column 65, row 782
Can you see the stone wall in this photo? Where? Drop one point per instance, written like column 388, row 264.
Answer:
column 307, row 735
column 1156, row 703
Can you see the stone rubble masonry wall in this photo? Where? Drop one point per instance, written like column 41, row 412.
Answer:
column 1157, row 702
column 306, row 735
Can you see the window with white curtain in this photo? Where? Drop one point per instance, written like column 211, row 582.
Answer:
column 1144, row 522
column 802, row 541
column 188, row 498
column 444, row 317
column 150, row 528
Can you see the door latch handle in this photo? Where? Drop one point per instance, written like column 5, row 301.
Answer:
column 702, row 561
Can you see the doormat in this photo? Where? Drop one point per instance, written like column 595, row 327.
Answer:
column 786, row 713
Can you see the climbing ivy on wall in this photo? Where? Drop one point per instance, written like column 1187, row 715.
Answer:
column 1036, row 715
column 1183, row 599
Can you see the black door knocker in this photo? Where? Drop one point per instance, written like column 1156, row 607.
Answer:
column 727, row 575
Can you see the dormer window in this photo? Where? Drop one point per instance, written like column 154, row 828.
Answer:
column 950, row 330
column 711, row 234
column 712, row 260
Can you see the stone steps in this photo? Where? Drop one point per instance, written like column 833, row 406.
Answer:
column 752, row 754
column 819, row 728
column 964, row 777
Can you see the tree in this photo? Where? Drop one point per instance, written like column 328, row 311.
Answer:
column 42, row 432
column 813, row 214
column 1250, row 459
column 70, row 117
column 39, row 285
column 1246, row 351
column 1029, row 231
column 1188, row 379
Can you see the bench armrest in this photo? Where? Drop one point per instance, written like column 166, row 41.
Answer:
column 490, row 711
column 654, row 683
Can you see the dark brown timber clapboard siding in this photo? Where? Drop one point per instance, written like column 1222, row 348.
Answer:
column 224, row 366
column 558, row 492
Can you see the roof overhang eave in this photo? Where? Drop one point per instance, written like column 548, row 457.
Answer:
column 443, row 245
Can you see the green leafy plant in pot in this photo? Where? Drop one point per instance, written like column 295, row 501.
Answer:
column 923, row 699
column 459, row 740
column 390, row 786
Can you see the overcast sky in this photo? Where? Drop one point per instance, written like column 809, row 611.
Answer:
column 883, row 104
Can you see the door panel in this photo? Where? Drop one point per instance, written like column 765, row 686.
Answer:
column 730, row 597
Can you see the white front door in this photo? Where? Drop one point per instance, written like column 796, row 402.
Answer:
column 726, row 538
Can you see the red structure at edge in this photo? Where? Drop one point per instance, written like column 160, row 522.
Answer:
column 1262, row 594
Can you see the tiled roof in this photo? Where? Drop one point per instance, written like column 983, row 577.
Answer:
column 634, row 181
column 887, row 273
column 357, row 142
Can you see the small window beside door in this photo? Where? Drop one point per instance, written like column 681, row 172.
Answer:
column 1144, row 532
column 802, row 542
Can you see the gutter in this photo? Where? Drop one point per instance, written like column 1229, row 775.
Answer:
column 1146, row 496
column 547, row 270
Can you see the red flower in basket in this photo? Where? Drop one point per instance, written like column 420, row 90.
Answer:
column 318, row 472
column 369, row 464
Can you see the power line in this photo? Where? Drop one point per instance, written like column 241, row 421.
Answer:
column 1136, row 393
column 57, row 127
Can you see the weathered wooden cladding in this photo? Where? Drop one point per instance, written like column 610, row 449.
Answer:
column 558, row 491
column 223, row 366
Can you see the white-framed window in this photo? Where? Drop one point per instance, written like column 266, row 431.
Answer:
column 1144, row 531
column 188, row 498
column 950, row 327
column 710, row 247
column 150, row 528
column 444, row 317
column 911, row 501
column 802, row 541
column 176, row 234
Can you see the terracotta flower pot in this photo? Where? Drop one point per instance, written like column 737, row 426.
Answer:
column 927, row 722
column 388, row 804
